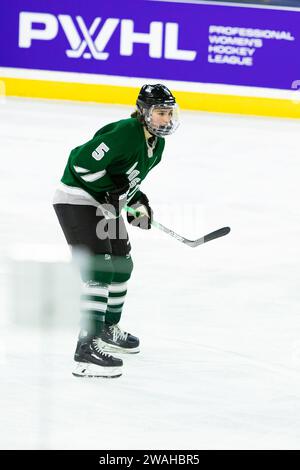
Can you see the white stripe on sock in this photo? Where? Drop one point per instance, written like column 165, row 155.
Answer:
column 93, row 305
column 95, row 290
column 116, row 300
column 116, row 287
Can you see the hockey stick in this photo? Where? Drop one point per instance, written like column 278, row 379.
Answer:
column 192, row 243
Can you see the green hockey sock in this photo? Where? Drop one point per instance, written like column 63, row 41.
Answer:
column 116, row 298
column 93, row 305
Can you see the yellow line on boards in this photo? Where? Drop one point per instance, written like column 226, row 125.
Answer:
column 100, row 93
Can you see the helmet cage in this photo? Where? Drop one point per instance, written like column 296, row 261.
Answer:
column 146, row 113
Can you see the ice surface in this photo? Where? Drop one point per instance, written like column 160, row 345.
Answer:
column 219, row 325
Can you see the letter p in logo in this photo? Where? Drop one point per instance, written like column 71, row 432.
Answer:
column 27, row 32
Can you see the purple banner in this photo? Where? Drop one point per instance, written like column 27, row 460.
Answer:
column 163, row 40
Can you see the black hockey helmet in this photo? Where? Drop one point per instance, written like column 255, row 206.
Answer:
column 154, row 97
column 155, row 94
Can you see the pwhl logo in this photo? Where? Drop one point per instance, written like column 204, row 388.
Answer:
column 90, row 41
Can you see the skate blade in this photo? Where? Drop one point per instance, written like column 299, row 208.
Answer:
column 97, row 376
column 90, row 370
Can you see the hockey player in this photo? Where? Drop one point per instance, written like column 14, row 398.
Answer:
column 100, row 177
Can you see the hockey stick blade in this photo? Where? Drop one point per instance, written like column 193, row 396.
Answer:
column 193, row 243
column 210, row 236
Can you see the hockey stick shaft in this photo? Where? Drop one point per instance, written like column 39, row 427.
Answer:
column 192, row 243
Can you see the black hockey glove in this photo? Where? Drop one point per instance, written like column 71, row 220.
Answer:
column 114, row 202
column 141, row 205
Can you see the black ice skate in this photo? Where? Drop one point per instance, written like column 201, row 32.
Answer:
column 92, row 361
column 113, row 339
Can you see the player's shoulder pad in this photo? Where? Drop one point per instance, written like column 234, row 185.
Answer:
column 123, row 135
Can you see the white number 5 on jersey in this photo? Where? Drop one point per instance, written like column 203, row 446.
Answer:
column 99, row 152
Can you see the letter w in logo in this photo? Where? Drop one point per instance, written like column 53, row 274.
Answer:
column 79, row 45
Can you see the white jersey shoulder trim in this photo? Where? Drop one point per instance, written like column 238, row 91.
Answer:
column 94, row 176
column 79, row 169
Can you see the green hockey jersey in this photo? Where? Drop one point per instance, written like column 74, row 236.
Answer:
column 117, row 150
